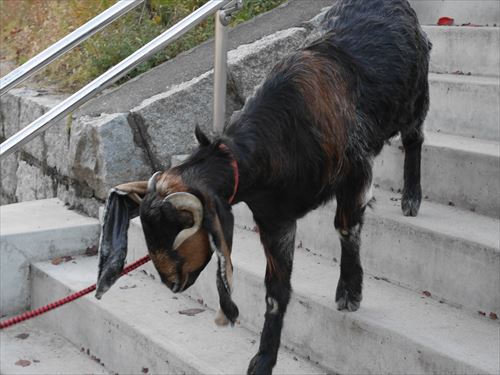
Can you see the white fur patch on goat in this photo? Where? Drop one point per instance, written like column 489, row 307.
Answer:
column 273, row 305
column 222, row 260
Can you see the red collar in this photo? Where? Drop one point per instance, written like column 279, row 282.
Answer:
column 234, row 164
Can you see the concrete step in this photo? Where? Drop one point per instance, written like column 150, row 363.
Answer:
column 27, row 349
column 464, row 105
column 395, row 331
column 453, row 254
column 137, row 327
column 482, row 12
column 456, row 170
column 465, row 49
column 34, row 231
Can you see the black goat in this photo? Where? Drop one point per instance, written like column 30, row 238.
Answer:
column 309, row 134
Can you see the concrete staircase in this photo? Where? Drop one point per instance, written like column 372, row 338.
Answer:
column 432, row 287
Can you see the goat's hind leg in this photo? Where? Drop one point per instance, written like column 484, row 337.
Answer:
column 412, row 191
column 351, row 204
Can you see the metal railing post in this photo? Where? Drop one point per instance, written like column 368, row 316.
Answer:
column 65, row 44
column 89, row 91
column 222, row 18
column 220, row 72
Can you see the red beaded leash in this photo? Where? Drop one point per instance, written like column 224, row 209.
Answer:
column 51, row 306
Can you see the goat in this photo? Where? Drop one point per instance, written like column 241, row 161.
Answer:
column 309, row 134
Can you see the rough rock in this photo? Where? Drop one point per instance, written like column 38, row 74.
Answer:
column 250, row 63
column 34, row 104
column 9, row 114
column 32, row 183
column 166, row 121
column 8, row 179
column 102, row 154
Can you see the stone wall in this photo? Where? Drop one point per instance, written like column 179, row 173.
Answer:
column 80, row 158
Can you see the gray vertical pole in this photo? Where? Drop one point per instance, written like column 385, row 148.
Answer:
column 220, row 71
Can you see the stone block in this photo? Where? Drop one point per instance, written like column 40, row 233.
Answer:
column 9, row 114
column 250, row 63
column 8, row 178
column 167, row 121
column 56, row 140
column 19, row 108
column 30, row 110
column 32, row 183
column 79, row 198
column 102, row 154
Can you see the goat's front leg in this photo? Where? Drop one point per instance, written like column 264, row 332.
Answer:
column 279, row 247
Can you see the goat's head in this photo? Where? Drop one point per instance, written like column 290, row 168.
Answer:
column 178, row 243
column 183, row 227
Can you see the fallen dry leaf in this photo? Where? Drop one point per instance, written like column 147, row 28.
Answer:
column 23, row 363
column 493, row 316
column 22, row 336
column 481, row 313
column 63, row 259
column 445, row 21
column 191, row 312
column 145, row 370
column 427, row 293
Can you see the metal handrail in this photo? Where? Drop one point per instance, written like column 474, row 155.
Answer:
column 113, row 74
column 66, row 44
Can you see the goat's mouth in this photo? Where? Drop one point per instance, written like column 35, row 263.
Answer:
column 176, row 283
column 180, row 283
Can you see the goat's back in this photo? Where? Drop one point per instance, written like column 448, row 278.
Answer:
column 391, row 53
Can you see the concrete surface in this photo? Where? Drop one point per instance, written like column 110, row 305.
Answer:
column 464, row 49
column 482, row 12
column 452, row 253
column 464, row 105
column 27, row 349
column 395, row 330
column 137, row 328
column 35, row 231
column 455, row 170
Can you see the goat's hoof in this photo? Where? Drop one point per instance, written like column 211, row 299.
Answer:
column 347, row 300
column 410, row 202
column 221, row 320
column 261, row 364
column 410, row 206
column 348, row 303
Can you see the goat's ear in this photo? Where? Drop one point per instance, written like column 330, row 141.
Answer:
column 122, row 205
column 220, row 229
column 201, row 137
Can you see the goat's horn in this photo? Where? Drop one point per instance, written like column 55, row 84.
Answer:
column 190, row 203
column 152, row 183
